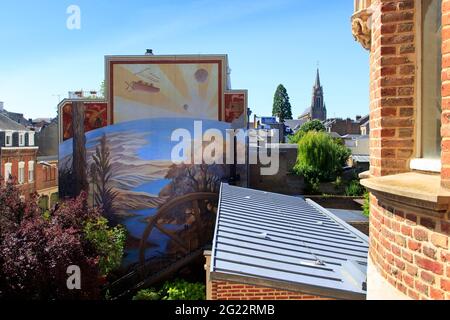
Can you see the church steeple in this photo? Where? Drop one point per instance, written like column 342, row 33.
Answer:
column 318, row 109
column 317, row 85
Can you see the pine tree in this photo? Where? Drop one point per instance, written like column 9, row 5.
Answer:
column 281, row 106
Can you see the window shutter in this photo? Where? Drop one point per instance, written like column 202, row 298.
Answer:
column 15, row 139
column 2, row 139
column 27, row 139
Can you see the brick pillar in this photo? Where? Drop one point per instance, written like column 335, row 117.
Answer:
column 392, row 87
column 445, row 173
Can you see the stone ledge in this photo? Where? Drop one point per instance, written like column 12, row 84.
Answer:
column 419, row 191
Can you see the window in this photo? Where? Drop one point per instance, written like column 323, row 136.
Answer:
column 21, row 178
column 8, row 171
column 21, row 139
column 430, row 86
column 31, row 139
column 8, row 138
column 30, row 171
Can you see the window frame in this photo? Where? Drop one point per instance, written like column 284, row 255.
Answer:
column 8, row 169
column 420, row 163
column 30, row 171
column 21, row 173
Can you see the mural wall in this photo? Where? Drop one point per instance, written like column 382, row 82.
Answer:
column 126, row 167
column 236, row 107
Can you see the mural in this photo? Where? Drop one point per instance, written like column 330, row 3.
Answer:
column 236, row 107
column 157, row 88
column 96, row 116
column 130, row 174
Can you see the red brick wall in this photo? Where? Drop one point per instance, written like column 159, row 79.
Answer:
column 46, row 177
column 392, row 75
column 15, row 156
column 411, row 250
column 235, row 291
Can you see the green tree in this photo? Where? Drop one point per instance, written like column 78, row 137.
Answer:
column 315, row 125
column 281, row 106
column 320, row 158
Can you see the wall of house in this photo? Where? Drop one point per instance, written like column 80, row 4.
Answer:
column 235, row 291
column 14, row 156
column 409, row 250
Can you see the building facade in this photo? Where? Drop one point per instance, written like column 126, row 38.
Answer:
column 17, row 155
column 318, row 109
column 409, row 177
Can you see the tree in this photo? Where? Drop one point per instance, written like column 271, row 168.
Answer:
column 314, row 125
column 281, row 106
column 320, row 158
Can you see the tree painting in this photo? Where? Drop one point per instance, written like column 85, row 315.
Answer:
column 101, row 174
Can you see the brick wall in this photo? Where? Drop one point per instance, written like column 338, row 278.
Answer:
column 46, row 177
column 235, row 291
column 411, row 251
column 392, row 79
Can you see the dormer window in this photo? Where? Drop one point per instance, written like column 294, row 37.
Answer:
column 21, row 139
column 31, row 139
column 8, row 139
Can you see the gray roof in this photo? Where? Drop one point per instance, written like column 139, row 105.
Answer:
column 349, row 215
column 8, row 124
column 361, row 158
column 295, row 124
column 287, row 243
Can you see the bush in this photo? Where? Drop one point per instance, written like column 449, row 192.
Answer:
column 320, row 158
column 366, row 205
column 183, row 290
column 148, row 294
column 355, row 189
column 108, row 242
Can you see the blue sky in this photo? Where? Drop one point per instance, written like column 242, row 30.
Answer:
column 268, row 42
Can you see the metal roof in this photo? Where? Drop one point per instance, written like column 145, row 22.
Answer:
column 361, row 158
column 287, row 243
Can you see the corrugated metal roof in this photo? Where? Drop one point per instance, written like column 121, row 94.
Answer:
column 361, row 158
column 288, row 243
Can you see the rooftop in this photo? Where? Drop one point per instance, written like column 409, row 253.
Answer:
column 287, row 243
column 8, row 124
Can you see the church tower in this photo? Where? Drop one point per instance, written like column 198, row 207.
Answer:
column 318, row 107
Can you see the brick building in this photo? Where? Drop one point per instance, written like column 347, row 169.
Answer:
column 17, row 155
column 358, row 126
column 409, row 179
column 47, row 181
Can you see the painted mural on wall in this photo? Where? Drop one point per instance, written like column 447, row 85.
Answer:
column 170, row 88
column 96, row 116
column 236, row 107
column 130, row 174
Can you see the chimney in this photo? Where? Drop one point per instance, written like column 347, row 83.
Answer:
column 1, row 106
column 149, row 52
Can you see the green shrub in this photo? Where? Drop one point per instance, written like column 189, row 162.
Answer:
column 108, row 242
column 147, row 294
column 183, row 290
column 320, row 157
column 366, row 205
column 355, row 189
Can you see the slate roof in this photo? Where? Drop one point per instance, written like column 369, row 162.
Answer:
column 8, row 124
column 295, row 125
column 287, row 243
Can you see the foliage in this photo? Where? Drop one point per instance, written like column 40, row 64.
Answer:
column 147, row 294
column 101, row 175
column 37, row 249
column 281, row 106
column 314, row 125
column 354, row 189
column 366, row 205
column 183, row 290
column 108, row 242
column 320, row 158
